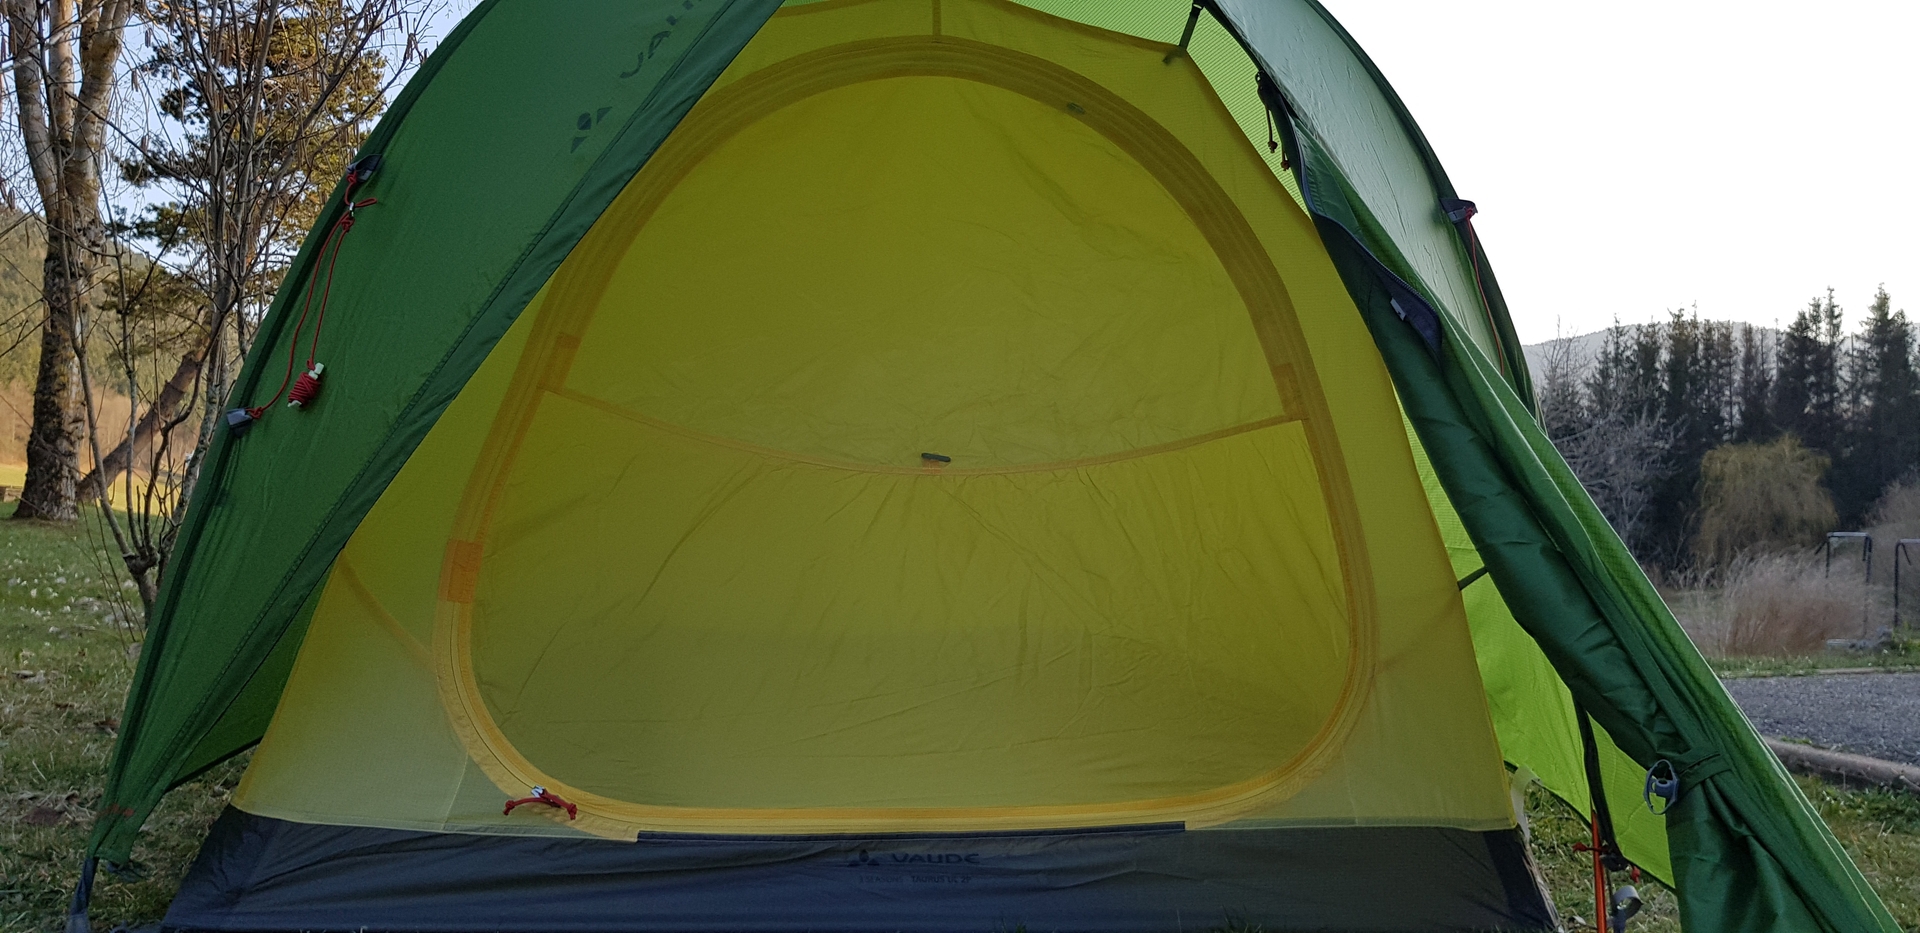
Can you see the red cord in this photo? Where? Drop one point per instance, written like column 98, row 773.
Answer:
column 308, row 385
column 304, row 388
column 543, row 795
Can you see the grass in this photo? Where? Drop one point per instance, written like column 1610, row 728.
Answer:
column 1555, row 829
column 65, row 662
column 1902, row 654
column 1879, row 828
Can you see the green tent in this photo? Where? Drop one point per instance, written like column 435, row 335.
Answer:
column 917, row 465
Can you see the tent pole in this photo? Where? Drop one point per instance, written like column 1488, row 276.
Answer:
column 82, row 897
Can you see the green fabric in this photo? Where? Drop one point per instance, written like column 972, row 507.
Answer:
column 247, row 716
column 1749, row 852
column 498, row 159
column 1368, row 136
column 1532, row 710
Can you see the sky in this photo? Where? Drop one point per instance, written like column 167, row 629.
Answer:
column 1635, row 157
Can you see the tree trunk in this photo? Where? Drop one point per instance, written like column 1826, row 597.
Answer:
column 165, row 408
column 64, row 54
column 59, row 422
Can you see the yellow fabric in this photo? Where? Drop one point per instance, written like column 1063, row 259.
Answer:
column 676, row 553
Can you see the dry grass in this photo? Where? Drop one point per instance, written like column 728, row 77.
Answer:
column 1775, row 606
column 1897, row 514
column 1894, row 517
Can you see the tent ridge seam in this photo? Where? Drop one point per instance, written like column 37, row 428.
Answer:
column 1053, row 466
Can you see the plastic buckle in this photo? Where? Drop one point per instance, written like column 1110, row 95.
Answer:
column 1665, row 787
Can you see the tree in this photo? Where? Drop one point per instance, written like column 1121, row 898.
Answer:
column 1760, row 497
column 65, row 57
column 1884, row 431
column 1644, row 386
column 1755, row 387
column 1606, row 381
column 1694, row 379
column 258, row 106
column 1807, row 375
column 1618, row 451
column 1563, row 410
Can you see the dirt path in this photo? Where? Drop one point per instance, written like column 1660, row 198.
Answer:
column 1867, row 714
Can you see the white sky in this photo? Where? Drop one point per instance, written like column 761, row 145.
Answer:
column 1634, row 156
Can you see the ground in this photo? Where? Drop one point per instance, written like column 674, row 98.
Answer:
column 1876, row 714
column 67, row 662
column 64, row 667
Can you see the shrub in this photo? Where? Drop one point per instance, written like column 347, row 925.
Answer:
column 1760, row 498
column 1897, row 514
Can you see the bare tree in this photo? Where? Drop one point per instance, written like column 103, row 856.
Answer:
column 1619, row 451
column 256, row 107
column 65, row 56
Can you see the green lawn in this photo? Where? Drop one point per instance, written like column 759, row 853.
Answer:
column 68, row 662
column 1903, row 656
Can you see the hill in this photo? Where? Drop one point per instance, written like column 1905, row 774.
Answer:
column 1582, row 349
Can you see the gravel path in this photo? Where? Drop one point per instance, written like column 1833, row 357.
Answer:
column 1867, row 714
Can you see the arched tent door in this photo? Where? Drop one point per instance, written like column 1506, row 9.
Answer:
column 676, row 553
column 924, row 438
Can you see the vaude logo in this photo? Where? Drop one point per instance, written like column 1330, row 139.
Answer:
column 866, row 859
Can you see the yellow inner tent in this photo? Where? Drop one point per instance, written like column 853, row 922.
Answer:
column 954, row 425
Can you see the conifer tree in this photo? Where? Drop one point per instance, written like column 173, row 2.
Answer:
column 1606, row 380
column 1807, row 376
column 1643, row 389
column 1697, row 385
column 1754, row 392
column 1883, row 441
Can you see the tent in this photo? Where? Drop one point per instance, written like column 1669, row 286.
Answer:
column 917, row 465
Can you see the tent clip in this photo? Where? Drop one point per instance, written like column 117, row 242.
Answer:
column 1459, row 210
column 1186, row 35
column 1665, row 787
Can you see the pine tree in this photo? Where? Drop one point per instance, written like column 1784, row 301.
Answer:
column 1807, row 376
column 1754, row 391
column 1680, row 373
column 1643, row 389
column 1606, row 381
column 1720, row 369
column 1883, row 440
column 1697, row 387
